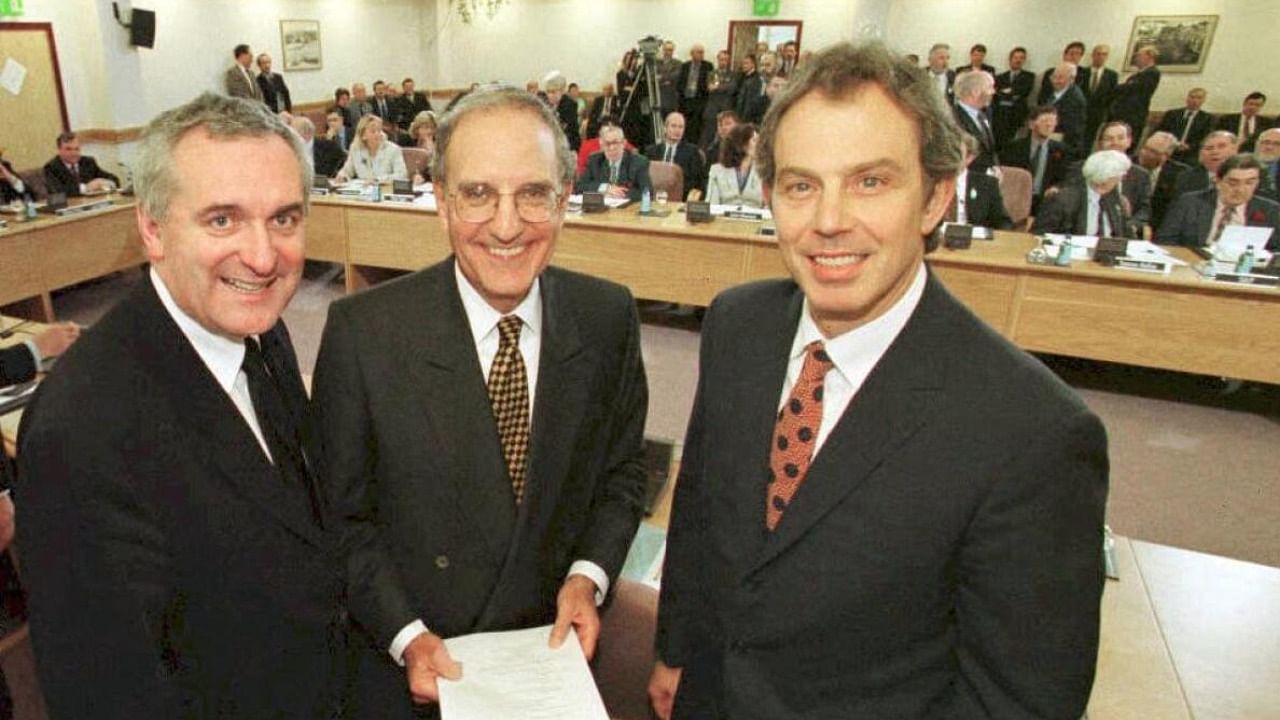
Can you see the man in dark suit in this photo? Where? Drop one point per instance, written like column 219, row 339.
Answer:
column 326, row 156
column 674, row 149
column 238, row 79
column 453, row 522
column 411, row 101
column 1039, row 154
column 1135, row 186
column 692, row 86
column 73, row 173
column 1246, row 124
column 19, row 363
column 1099, row 82
column 884, row 510
column 1198, row 218
column 1131, row 99
column 605, row 105
column 974, row 91
column 1068, row 100
column 977, row 61
column 1090, row 204
column 1156, row 158
column 383, row 105
column 942, row 77
column 977, row 199
column 751, row 102
column 1071, row 54
column 1215, row 149
column 1268, row 153
column 274, row 92
column 12, row 187
column 1013, row 87
column 171, row 529
column 614, row 171
column 565, row 107
column 1188, row 125
column 358, row 105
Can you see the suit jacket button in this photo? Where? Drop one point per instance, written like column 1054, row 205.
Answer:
column 442, row 561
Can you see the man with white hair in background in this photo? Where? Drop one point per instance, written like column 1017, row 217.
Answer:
column 1156, row 157
column 565, row 107
column 1268, row 154
column 1092, row 206
column 974, row 91
column 1072, row 108
column 668, row 68
column 326, row 156
column 940, row 71
column 693, row 87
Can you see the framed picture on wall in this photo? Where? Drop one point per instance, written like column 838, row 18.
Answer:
column 300, row 44
column 1182, row 40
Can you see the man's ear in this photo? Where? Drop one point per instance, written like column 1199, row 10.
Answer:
column 149, row 229
column 936, row 206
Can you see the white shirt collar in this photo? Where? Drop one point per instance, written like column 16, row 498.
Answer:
column 483, row 318
column 221, row 355
column 863, row 346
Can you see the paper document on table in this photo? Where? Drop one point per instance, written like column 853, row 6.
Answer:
column 510, row 675
column 1236, row 238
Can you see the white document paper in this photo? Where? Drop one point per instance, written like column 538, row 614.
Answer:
column 515, row 676
column 13, row 75
column 1236, row 238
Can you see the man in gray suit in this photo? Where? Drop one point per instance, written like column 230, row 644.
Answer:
column 486, row 418
column 885, row 509
column 1198, row 218
column 238, row 79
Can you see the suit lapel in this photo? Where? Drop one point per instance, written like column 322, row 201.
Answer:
column 892, row 404
column 455, row 405
column 204, row 411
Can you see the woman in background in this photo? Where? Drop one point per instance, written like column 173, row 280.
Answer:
column 372, row 157
column 733, row 180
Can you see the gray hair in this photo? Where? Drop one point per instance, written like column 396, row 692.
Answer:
column 492, row 99
column 1105, row 165
column 970, row 82
column 554, row 81
column 224, row 118
column 844, row 69
column 302, row 125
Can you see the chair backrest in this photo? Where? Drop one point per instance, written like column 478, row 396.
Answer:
column 667, row 176
column 416, row 160
column 624, row 658
column 1015, row 188
column 34, row 180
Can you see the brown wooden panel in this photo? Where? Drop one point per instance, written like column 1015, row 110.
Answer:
column 31, row 142
column 1178, row 327
column 81, row 248
column 989, row 292
column 402, row 239
column 17, row 281
column 327, row 233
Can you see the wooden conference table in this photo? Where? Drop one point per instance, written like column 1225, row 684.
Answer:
column 1175, row 322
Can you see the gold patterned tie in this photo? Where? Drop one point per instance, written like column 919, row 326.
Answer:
column 796, row 433
column 509, row 396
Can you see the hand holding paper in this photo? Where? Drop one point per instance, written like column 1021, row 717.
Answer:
column 425, row 660
column 576, row 607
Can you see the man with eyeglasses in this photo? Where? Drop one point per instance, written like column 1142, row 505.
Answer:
column 485, row 418
column 614, row 171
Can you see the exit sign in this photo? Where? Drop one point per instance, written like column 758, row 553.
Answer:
column 762, row 8
column 10, row 8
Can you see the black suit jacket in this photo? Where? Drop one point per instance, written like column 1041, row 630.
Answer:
column 602, row 107
column 941, row 559
column 1136, row 188
column 58, row 179
column 274, row 92
column 1191, row 216
column 704, row 75
column 172, row 572
column 1046, row 85
column 567, row 113
column 633, row 174
column 1010, row 103
column 1057, row 160
column 752, row 102
column 1175, row 121
column 327, row 156
column 987, row 155
column 1162, row 196
column 8, row 193
column 17, row 365
column 1131, row 99
column 1066, row 211
column 408, row 106
column 1193, row 179
column 984, row 205
column 418, row 480
column 689, row 158
column 1073, row 120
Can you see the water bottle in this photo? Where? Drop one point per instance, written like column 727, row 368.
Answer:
column 375, row 191
column 645, row 202
column 1244, row 265
column 1064, row 253
column 31, row 209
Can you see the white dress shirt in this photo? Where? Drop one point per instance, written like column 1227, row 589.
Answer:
column 222, row 356
column 388, row 164
column 962, row 187
column 1096, row 223
column 483, row 319
column 854, row 354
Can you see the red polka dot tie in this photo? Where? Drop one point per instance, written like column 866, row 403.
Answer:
column 509, row 396
column 796, row 433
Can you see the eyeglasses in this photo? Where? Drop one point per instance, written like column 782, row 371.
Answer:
column 479, row 203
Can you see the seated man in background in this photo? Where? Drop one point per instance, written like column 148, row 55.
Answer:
column 76, row 174
column 1093, row 205
column 11, row 185
column 411, row 101
column 1246, row 124
column 1268, row 153
column 614, row 171
column 1136, row 184
column 1156, row 158
column 727, row 120
column 326, row 156
column 1038, row 153
column 674, row 149
column 20, row 363
column 1216, row 148
column 977, row 198
column 1199, row 218
column 1188, row 125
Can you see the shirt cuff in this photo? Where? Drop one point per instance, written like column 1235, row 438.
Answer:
column 595, row 574
column 35, row 352
column 604, row 187
column 403, row 638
